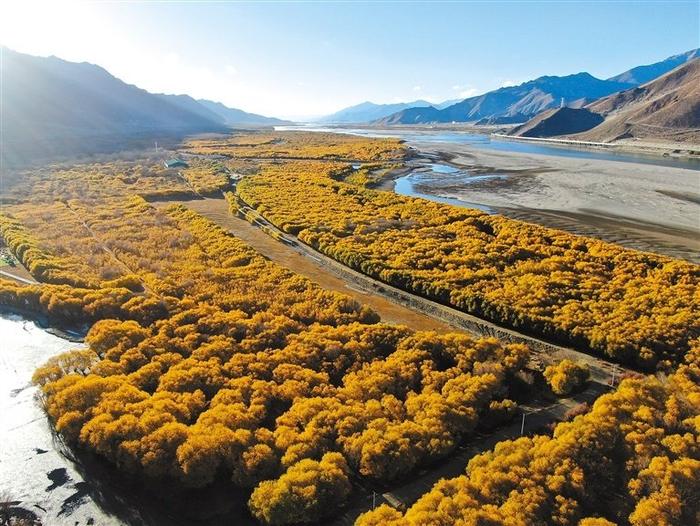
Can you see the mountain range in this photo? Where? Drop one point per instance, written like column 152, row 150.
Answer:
column 236, row 117
column 219, row 113
column 369, row 111
column 666, row 108
column 51, row 106
column 516, row 104
column 644, row 74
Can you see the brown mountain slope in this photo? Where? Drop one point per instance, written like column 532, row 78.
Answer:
column 667, row 108
column 558, row 121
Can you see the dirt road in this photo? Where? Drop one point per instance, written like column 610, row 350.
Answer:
column 397, row 306
column 16, row 274
column 310, row 266
column 392, row 304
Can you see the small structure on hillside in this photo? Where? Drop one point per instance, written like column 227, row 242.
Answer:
column 175, row 163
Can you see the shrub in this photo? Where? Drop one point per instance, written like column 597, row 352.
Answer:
column 308, row 491
column 566, row 376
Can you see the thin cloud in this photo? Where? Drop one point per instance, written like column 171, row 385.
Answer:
column 464, row 91
column 469, row 92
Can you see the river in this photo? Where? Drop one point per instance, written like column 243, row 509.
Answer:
column 33, row 471
column 433, row 178
column 483, row 140
column 642, row 202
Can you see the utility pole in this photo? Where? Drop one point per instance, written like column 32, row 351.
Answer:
column 522, row 426
column 612, row 380
column 374, row 498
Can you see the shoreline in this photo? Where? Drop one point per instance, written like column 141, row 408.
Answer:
column 665, row 150
column 662, row 149
column 636, row 206
column 73, row 334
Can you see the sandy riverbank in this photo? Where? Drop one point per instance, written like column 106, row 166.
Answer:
column 642, row 206
column 666, row 148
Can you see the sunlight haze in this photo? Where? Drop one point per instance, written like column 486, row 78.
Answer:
column 332, row 263
column 302, row 60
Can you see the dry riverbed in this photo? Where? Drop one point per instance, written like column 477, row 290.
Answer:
column 642, row 206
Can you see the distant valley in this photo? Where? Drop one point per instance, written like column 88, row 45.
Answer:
column 518, row 104
column 52, row 107
column 369, row 111
column 632, row 104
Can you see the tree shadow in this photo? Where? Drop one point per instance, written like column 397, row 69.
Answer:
column 139, row 501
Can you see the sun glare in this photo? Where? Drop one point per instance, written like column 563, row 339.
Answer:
column 65, row 29
column 281, row 262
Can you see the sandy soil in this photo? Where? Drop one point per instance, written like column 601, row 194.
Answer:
column 668, row 147
column 643, row 206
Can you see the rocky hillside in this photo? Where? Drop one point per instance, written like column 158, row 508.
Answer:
column 52, row 107
column 667, row 108
column 558, row 121
column 649, row 72
column 515, row 103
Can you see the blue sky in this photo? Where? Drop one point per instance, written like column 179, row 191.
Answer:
column 293, row 59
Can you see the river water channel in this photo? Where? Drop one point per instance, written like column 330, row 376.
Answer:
column 35, row 475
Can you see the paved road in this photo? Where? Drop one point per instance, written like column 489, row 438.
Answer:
column 28, row 281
